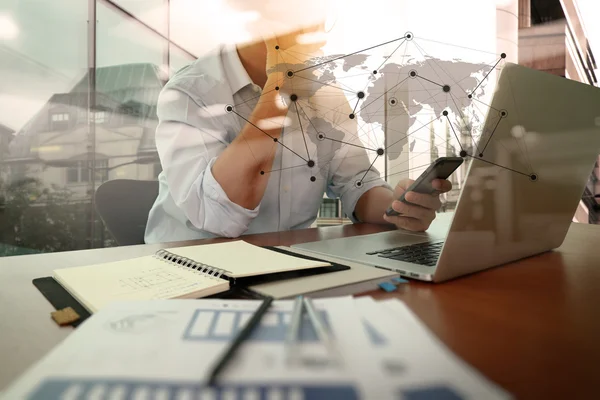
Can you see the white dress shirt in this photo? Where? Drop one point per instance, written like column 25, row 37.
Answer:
column 193, row 131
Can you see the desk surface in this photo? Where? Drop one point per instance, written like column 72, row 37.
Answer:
column 533, row 326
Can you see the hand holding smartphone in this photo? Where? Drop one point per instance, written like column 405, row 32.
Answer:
column 441, row 168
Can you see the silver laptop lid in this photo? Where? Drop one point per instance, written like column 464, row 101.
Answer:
column 527, row 175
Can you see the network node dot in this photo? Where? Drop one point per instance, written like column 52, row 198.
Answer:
column 503, row 113
column 293, row 97
column 275, row 139
column 262, row 172
column 446, row 88
column 310, row 163
column 290, row 73
column 351, row 116
column 276, row 47
column 533, row 177
column 276, row 87
column 413, row 74
column 408, row 36
column 463, row 153
column 320, row 136
column 503, row 55
column 229, row 108
column 393, row 101
column 312, row 179
column 470, row 96
column 374, row 72
column 360, row 95
column 480, row 154
column 380, row 152
column 445, row 113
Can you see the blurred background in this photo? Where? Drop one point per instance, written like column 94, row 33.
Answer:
column 79, row 82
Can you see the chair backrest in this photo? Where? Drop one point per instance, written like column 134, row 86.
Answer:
column 123, row 206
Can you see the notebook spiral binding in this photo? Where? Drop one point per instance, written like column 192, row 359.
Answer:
column 184, row 262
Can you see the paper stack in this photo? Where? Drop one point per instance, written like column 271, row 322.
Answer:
column 164, row 349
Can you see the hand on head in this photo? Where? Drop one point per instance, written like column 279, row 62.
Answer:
column 293, row 48
column 418, row 215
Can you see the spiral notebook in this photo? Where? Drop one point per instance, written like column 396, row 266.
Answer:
column 183, row 272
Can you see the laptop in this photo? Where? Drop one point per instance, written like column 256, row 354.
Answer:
column 525, row 179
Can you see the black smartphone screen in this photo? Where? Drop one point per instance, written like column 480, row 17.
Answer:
column 441, row 168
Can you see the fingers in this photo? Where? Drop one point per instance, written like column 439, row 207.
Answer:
column 402, row 186
column 407, row 223
column 442, row 185
column 414, row 211
column 424, row 200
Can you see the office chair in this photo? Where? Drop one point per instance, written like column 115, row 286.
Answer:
column 123, row 206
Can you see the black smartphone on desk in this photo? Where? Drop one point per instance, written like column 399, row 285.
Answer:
column 441, row 168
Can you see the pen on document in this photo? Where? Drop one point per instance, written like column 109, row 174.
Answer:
column 293, row 330
column 239, row 339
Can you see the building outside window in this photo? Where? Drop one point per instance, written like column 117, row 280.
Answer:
column 330, row 208
column 81, row 172
column 17, row 172
column 60, row 117
column 98, row 117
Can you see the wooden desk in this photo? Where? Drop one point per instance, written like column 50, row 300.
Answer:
column 532, row 327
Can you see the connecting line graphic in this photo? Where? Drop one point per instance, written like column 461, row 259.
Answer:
column 533, row 177
column 361, row 96
column 327, row 84
column 503, row 115
column 303, row 136
column 360, row 183
column 463, row 153
column 281, row 169
column 462, row 116
column 406, row 36
column 230, row 109
column 322, row 136
column 387, row 91
column 502, row 56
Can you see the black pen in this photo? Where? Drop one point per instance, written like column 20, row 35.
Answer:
column 239, row 339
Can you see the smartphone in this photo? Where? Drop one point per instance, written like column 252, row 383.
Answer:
column 441, row 168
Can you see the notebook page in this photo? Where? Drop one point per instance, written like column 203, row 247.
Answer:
column 143, row 278
column 242, row 259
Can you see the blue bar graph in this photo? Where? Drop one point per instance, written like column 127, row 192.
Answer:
column 75, row 389
column 223, row 325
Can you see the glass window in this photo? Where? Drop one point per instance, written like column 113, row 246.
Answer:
column 40, row 62
column 329, row 208
column 153, row 13
column 98, row 117
column 73, row 173
column 58, row 117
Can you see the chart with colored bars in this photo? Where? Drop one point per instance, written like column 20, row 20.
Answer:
column 125, row 390
column 66, row 389
column 220, row 325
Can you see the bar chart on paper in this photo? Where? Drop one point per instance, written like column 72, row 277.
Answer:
column 223, row 325
column 71, row 389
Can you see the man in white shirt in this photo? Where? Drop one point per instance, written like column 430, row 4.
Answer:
column 247, row 148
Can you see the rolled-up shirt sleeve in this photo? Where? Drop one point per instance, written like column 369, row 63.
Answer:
column 348, row 169
column 351, row 172
column 189, row 138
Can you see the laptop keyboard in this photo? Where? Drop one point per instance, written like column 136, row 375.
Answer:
column 421, row 253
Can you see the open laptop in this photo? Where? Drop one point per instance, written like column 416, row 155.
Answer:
column 541, row 139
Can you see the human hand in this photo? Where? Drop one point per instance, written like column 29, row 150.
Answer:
column 291, row 52
column 418, row 215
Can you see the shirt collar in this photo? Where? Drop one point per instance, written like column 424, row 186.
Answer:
column 235, row 72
